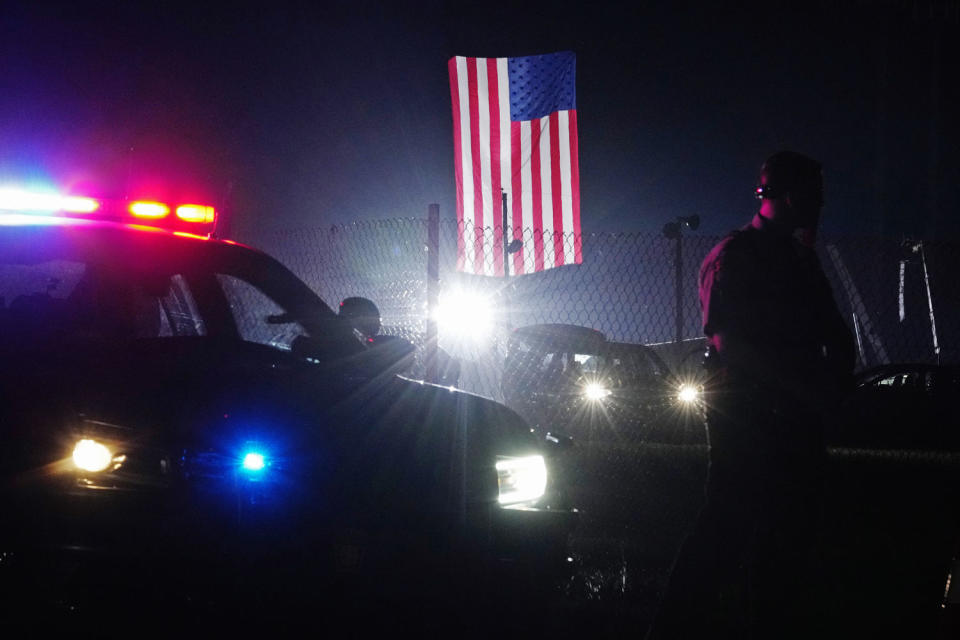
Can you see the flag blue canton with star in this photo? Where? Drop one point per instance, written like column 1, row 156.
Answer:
column 540, row 85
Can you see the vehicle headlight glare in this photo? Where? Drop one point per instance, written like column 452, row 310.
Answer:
column 521, row 479
column 91, row 455
column 595, row 391
column 465, row 315
column 688, row 394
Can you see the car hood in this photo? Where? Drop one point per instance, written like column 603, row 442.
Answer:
column 200, row 394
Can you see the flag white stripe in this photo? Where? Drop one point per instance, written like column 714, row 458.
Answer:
column 566, row 186
column 467, row 162
column 486, row 184
column 546, row 193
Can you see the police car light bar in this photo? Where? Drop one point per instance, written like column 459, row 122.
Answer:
column 26, row 202
column 189, row 217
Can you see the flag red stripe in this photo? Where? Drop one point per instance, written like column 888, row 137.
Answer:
column 516, row 195
column 457, row 155
column 493, row 98
column 537, row 195
column 575, row 188
column 475, row 161
column 558, row 230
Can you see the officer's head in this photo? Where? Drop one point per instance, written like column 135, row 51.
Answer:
column 362, row 314
column 791, row 189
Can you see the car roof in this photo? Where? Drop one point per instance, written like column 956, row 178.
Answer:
column 560, row 336
column 624, row 348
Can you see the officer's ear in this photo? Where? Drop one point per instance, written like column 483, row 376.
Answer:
column 797, row 201
column 803, row 198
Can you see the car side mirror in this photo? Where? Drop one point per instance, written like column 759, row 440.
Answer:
column 557, row 443
column 324, row 350
column 308, row 348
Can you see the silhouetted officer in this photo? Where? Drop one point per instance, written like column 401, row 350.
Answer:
column 779, row 353
column 362, row 315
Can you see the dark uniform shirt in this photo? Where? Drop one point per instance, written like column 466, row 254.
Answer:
column 767, row 290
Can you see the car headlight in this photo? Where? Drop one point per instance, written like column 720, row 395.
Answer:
column 522, row 479
column 688, row 394
column 91, row 455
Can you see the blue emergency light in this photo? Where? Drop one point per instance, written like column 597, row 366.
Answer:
column 254, row 461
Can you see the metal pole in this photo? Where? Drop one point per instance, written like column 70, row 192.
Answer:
column 933, row 320
column 506, row 237
column 505, row 296
column 679, row 286
column 856, row 330
column 433, row 290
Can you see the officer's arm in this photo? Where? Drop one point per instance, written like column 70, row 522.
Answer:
column 743, row 354
column 764, row 365
column 841, row 351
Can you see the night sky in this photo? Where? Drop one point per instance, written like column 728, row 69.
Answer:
column 304, row 114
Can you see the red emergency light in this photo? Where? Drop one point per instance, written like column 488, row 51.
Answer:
column 149, row 210
column 196, row 213
column 191, row 218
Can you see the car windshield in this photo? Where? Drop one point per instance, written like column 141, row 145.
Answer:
column 617, row 367
column 51, row 300
column 67, row 300
column 614, row 364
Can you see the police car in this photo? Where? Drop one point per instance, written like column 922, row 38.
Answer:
column 892, row 517
column 185, row 406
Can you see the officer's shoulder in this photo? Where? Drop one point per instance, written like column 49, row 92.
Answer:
column 732, row 251
column 735, row 242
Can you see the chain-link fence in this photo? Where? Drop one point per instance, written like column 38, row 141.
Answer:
column 638, row 490
column 631, row 289
column 901, row 299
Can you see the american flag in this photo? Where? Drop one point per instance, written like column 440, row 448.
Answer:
column 515, row 132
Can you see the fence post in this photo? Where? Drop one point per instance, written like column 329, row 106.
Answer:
column 433, row 290
column 678, row 288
